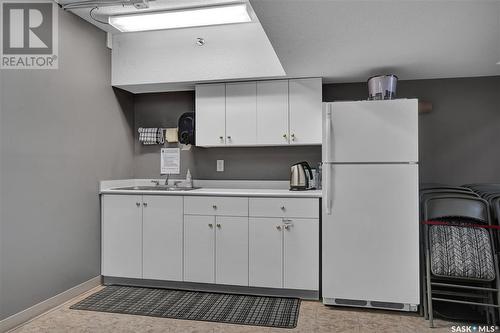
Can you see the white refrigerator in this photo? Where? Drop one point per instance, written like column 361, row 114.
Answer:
column 370, row 231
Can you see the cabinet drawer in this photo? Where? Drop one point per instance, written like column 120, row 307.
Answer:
column 230, row 206
column 284, row 207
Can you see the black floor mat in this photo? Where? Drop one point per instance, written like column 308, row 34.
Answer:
column 191, row 305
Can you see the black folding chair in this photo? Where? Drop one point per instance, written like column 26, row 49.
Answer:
column 424, row 195
column 460, row 259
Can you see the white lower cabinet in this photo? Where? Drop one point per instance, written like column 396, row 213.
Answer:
column 142, row 236
column 284, row 243
column 216, row 249
column 231, row 250
column 162, row 237
column 284, row 253
column 301, row 254
column 121, row 236
column 266, row 252
column 199, row 248
column 212, row 240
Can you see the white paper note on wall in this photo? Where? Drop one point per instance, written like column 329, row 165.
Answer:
column 170, row 161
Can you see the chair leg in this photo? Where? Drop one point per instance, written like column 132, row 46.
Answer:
column 491, row 310
column 424, row 282
column 424, row 293
column 497, row 284
column 429, row 288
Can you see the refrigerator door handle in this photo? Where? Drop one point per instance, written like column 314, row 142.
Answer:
column 327, row 186
column 328, row 131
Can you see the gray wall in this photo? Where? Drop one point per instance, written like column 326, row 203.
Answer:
column 1, row 231
column 262, row 163
column 460, row 138
column 61, row 132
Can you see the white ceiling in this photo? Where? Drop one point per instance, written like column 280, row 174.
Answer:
column 350, row 40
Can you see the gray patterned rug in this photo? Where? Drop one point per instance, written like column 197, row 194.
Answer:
column 191, row 305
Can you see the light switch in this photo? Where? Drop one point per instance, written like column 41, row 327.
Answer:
column 220, row 165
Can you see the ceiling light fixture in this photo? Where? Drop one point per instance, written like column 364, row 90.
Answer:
column 195, row 17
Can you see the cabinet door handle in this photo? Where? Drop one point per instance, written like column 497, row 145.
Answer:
column 138, row 204
column 145, row 204
column 284, row 135
column 218, row 225
column 287, row 226
column 210, row 225
column 282, row 208
column 221, row 138
column 214, row 206
column 293, row 137
column 278, row 227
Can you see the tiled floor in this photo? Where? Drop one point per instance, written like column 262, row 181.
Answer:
column 314, row 317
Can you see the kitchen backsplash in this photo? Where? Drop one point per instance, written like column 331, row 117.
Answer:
column 255, row 163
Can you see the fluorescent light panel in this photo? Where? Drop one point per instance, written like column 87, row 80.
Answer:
column 184, row 18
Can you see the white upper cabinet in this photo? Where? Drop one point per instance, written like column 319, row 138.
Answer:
column 305, row 98
column 211, row 114
column 241, row 113
column 263, row 113
column 272, row 112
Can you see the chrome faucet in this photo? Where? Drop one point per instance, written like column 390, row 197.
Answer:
column 166, row 180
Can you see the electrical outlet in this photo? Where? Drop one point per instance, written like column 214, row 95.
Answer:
column 220, row 165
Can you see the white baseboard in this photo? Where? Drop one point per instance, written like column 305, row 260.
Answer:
column 21, row 317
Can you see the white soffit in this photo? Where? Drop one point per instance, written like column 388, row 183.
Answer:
column 240, row 51
column 171, row 59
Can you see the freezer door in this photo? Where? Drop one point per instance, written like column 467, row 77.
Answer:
column 370, row 238
column 370, row 131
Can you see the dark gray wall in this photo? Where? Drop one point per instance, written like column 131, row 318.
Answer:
column 262, row 163
column 61, row 132
column 460, row 138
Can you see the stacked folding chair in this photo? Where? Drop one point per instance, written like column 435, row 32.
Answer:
column 490, row 193
column 459, row 261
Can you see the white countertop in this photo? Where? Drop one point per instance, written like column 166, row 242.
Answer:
column 213, row 188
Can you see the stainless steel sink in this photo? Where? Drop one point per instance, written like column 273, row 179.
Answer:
column 155, row 188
